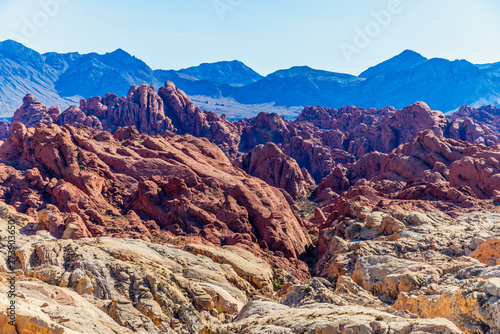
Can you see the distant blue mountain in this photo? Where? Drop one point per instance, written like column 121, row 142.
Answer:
column 404, row 61
column 190, row 84
column 62, row 79
column 213, row 80
column 299, row 86
column 399, row 81
column 444, row 85
column 23, row 71
column 233, row 73
column 93, row 74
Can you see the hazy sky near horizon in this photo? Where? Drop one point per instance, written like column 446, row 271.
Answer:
column 341, row 36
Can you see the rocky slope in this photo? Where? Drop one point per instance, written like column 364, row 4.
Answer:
column 429, row 265
column 270, row 164
column 412, row 273
column 493, row 71
column 105, row 285
column 23, row 71
column 321, row 138
column 149, row 111
column 485, row 116
column 316, row 143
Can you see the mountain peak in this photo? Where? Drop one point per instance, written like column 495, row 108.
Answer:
column 403, row 61
column 13, row 46
column 124, row 61
column 12, row 43
column 309, row 72
column 120, row 52
column 12, row 49
column 409, row 52
column 232, row 72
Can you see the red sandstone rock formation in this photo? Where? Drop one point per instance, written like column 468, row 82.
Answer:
column 324, row 142
column 150, row 112
column 133, row 185
column 142, row 108
column 359, row 131
column 75, row 116
column 270, row 164
column 476, row 125
column 154, row 113
column 485, row 115
column 428, row 173
column 321, row 138
column 31, row 113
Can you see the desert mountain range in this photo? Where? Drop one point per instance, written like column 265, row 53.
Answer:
column 63, row 79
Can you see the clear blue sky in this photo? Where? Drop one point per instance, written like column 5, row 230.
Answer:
column 265, row 34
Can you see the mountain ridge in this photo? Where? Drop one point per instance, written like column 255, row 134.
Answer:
column 64, row 78
column 405, row 60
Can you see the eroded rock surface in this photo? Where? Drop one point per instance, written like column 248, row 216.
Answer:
column 215, row 229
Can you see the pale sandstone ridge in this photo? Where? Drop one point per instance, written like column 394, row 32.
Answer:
column 488, row 252
column 272, row 318
column 48, row 309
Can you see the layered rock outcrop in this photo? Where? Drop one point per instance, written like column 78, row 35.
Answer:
column 319, row 140
column 149, row 111
column 4, row 129
column 33, row 112
column 220, row 247
column 486, row 116
column 272, row 318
